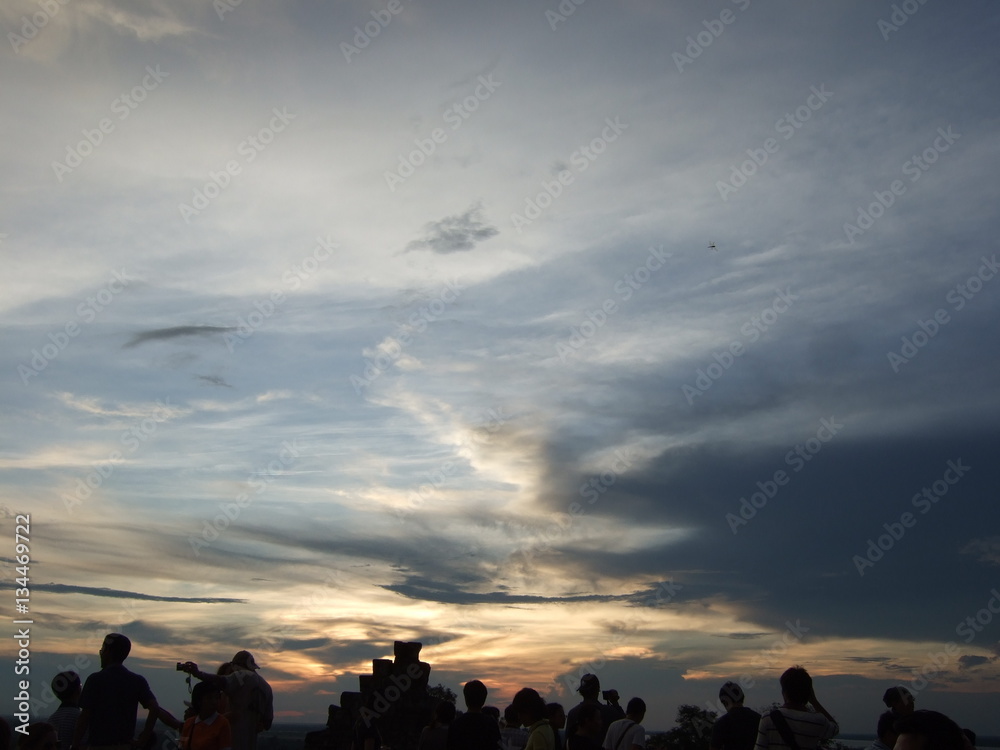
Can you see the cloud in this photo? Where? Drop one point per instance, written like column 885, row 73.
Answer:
column 970, row 661
column 454, row 234
column 158, row 334
column 60, row 588
column 425, row 590
column 154, row 23
column 214, row 380
column 987, row 550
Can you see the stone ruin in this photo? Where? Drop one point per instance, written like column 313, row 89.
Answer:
column 394, row 695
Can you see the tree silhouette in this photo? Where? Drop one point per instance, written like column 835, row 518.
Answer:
column 693, row 730
column 442, row 692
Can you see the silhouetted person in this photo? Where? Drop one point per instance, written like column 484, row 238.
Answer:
column 928, row 730
column 589, row 689
column 435, row 735
column 794, row 719
column 251, row 701
column 474, row 730
column 899, row 700
column 737, row 728
column 67, row 688
column 110, row 699
column 589, row 729
column 885, row 732
column 531, row 710
column 41, row 736
column 628, row 733
column 512, row 735
column 556, row 716
column 207, row 729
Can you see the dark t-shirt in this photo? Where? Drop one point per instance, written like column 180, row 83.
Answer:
column 736, row 729
column 579, row 742
column 609, row 715
column 474, row 731
column 113, row 696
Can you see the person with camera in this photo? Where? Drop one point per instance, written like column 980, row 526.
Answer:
column 251, row 701
column 589, row 689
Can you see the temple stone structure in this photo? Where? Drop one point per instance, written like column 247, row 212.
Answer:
column 394, row 696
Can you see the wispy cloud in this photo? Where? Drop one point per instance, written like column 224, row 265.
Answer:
column 162, row 334
column 61, row 588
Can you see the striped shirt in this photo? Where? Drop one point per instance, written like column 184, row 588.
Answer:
column 808, row 727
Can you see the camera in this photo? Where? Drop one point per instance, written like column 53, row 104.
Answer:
column 180, row 667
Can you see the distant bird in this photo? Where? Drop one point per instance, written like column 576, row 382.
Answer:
column 711, row 246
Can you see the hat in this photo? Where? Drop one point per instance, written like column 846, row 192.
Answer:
column 244, row 659
column 589, row 683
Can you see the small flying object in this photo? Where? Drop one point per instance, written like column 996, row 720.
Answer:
column 711, row 246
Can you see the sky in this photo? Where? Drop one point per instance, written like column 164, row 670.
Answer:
column 653, row 340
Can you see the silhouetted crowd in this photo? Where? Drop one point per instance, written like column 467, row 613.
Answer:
column 230, row 707
column 227, row 709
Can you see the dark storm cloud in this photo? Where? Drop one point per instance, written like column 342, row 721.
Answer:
column 457, row 233
column 971, row 661
column 161, row 334
column 869, row 659
column 304, row 644
column 423, row 589
column 59, row 588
